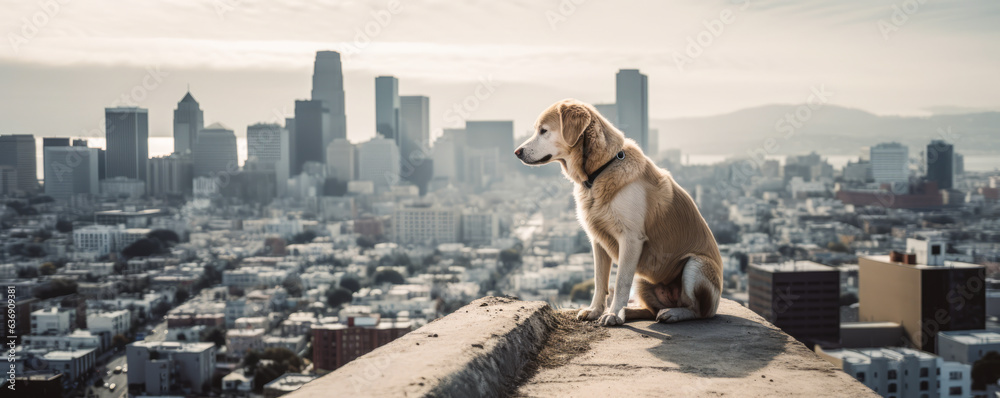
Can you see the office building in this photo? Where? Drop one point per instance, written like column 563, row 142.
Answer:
column 449, row 155
column 414, row 127
column 269, row 146
column 8, row 180
column 160, row 368
column 18, row 151
column 921, row 297
column 337, row 344
column 632, row 98
column 898, row 372
column 215, row 152
column 800, row 297
column 425, row 224
column 311, row 121
column 387, row 107
column 122, row 187
column 75, row 364
column 112, row 322
column 480, row 228
column 70, row 171
column 340, row 160
column 941, row 163
column 189, row 120
column 52, row 321
column 127, row 138
column 493, row 135
column 890, row 165
column 171, row 175
column 104, row 239
column 328, row 86
column 378, row 162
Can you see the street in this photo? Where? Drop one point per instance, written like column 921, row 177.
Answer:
column 121, row 380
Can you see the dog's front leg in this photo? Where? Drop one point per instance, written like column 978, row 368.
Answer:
column 628, row 259
column 602, row 271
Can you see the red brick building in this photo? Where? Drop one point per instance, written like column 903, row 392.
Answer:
column 337, row 344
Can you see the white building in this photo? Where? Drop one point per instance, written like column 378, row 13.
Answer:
column 74, row 364
column 114, row 322
column 967, row 346
column 163, row 367
column 425, row 224
column 52, row 321
column 479, row 228
column 240, row 341
column 903, row 372
column 890, row 165
column 378, row 162
column 79, row 339
column 249, row 277
column 104, row 239
column 340, row 159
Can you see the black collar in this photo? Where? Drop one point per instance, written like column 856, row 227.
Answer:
column 593, row 176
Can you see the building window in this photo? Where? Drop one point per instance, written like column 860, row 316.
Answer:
column 861, row 376
column 924, row 372
column 955, row 391
column 935, row 250
column 924, row 386
column 892, row 387
column 892, row 374
column 955, row 375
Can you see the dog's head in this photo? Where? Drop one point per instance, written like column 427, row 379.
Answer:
column 557, row 131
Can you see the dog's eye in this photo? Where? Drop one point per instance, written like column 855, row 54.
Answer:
column 542, row 131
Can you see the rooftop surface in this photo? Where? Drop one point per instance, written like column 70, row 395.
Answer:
column 947, row 264
column 796, row 266
column 970, row 337
column 506, row 347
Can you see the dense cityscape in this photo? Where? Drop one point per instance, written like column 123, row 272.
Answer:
column 209, row 272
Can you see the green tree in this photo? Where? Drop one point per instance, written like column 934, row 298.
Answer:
column 47, row 269
column 119, row 341
column 339, row 296
column 216, row 336
column 350, row 284
column 389, row 276
column 181, row 296
column 986, row 370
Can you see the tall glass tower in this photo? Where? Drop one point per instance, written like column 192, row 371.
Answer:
column 127, row 136
column 188, row 121
column 328, row 86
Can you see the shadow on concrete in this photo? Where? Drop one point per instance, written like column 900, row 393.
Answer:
column 723, row 346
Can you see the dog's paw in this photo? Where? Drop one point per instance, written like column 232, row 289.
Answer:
column 610, row 320
column 671, row 315
column 589, row 314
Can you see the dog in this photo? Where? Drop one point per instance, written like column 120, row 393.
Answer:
column 635, row 215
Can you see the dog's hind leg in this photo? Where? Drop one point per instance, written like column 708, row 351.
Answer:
column 700, row 294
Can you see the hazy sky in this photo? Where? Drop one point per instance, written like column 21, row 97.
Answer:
column 247, row 60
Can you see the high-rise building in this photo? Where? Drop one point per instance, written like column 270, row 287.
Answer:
column 18, row 151
column 70, row 171
column 488, row 135
column 268, row 146
column 215, row 152
column 447, row 155
column 54, row 141
column 941, row 163
column 415, row 125
column 340, row 160
column 632, row 98
column 801, row 297
column 328, row 86
column 171, row 175
column 127, row 137
column 188, row 121
column 311, row 120
column 923, row 297
column 378, row 162
column 890, row 165
column 387, row 107
column 959, row 164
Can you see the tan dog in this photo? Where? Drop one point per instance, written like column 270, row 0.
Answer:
column 635, row 215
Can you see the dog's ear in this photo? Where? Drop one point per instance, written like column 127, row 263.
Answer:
column 574, row 118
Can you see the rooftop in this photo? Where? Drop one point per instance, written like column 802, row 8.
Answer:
column 947, row 264
column 504, row 346
column 173, row 346
column 795, row 266
column 289, row 382
column 970, row 337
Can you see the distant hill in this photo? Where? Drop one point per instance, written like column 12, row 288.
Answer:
column 829, row 130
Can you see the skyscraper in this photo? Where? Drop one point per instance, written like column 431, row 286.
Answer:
column 127, row 137
column 609, row 111
column 215, row 152
column 268, row 145
column 328, row 86
column 378, row 161
column 171, row 175
column 70, row 171
column 632, row 98
column 18, row 151
column 387, row 107
column 415, row 124
column 311, row 119
column 188, row 121
column 776, row 291
column 890, row 165
column 488, row 135
column 941, row 163
column 340, row 159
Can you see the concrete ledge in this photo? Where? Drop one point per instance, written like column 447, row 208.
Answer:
column 478, row 351
column 501, row 347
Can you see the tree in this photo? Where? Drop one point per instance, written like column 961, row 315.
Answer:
column 34, row 251
column 350, row 284
column 119, row 341
column 215, row 336
column 47, row 269
column 303, row 237
column 143, row 248
column 58, row 287
column 986, row 370
column 164, row 235
column 510, row 256
column 64, row 226
column 160, row 309
column 389, row 276
column 339, row 296
column 293, row 285
column 27, row 273
column 365, row 242
column 181, row 296
column 282, row 361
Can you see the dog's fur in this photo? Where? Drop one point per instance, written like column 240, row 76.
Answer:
column 635, row 215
